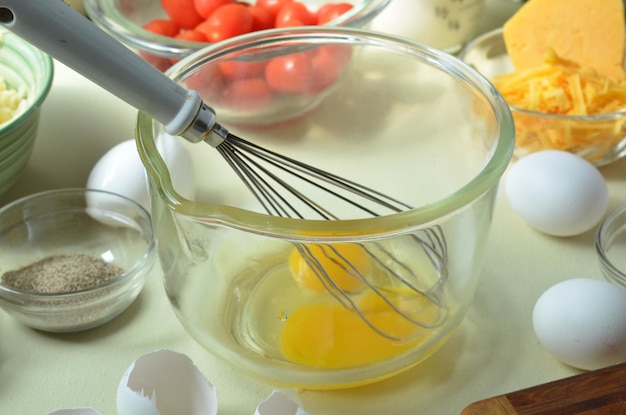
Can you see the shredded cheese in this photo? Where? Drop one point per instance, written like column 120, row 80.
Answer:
column 11, row 102
column 560, row 88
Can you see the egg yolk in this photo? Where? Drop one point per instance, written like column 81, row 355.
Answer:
column 341, row 263
column 333, row 336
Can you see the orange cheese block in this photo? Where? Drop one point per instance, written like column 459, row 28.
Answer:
column 589, row 32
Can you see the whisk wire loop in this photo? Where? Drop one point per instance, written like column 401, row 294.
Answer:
column 268, row 176
column 240, row 148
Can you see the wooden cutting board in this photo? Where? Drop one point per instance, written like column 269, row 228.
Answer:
column 599, row 392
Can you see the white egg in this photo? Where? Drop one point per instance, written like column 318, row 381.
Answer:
column 582, row 322
column 557, row 192
column 121, row 171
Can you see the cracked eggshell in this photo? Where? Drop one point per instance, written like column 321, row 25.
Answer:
column 279, row 404
column 164, row 383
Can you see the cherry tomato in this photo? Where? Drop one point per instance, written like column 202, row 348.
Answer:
column 182, row 12
column 163, row 27
column 294, row 10
column 208, row 82
column 331, row 11
column 273, row 6
column 191, row 35
column 291, row 73
column 206, row 7
column 227, row 21
column 262, row 18
column 247, row 94
column 233, row 70
column 158, row 62
column 341, row 54
column 327, row 68
column 290, row 23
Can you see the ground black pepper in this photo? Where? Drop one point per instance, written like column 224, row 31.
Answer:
column 62, row 274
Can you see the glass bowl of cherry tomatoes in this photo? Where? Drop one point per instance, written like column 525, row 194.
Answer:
column 165, row 31
column 262, row 79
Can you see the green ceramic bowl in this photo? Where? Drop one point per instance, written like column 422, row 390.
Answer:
column 22, row 68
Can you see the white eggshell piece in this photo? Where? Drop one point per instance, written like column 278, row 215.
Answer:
column 557, row 192
column 165, row 383
column 279, row 404
column 74, row 411
column 582, row 322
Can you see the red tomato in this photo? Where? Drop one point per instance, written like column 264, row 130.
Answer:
column 341, row 54
column 328, row 64
column 227, row 21
column 158, row 62
column 208, row 82
column 262, row 19
column 206, row 7
column 247, row 94
column 182, row 12
column 291, row 73
column 273, row 6
column 331, row 11
column 294, row 10
column 233, row 70
column 290, row 23
column 163, row 27
column 191, row 35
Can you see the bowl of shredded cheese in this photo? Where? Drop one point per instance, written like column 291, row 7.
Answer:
column 559, row 104
column 26, row 76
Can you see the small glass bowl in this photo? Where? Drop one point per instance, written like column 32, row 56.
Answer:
column 72, row 222
column 124, row 20
column 611, row 246
column 27, row 70
column 599, row 138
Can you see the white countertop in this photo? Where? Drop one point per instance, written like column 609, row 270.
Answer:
column 494, row 351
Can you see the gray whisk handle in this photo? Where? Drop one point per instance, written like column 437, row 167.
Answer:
column 74, row 40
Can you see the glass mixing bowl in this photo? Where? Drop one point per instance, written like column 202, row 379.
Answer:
column 405, row 119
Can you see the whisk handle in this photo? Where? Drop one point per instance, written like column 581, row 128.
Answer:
column 68, row 36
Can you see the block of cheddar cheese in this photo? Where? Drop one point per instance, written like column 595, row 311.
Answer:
column 589, row 32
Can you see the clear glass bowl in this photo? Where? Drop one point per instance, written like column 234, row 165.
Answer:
column 601, row 138
column 25, row 69
column 611, row 245
column 124, row 19
column 73, row 222
column 411, row 121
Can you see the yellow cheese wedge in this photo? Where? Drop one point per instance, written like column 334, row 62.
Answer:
column 589, row 32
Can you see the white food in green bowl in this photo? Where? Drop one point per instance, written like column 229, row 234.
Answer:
column 11, row 102
column 26, row 75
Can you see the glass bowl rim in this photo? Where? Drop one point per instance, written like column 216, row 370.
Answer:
column 600, row 245
column 481, row 183
column 142, row 263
